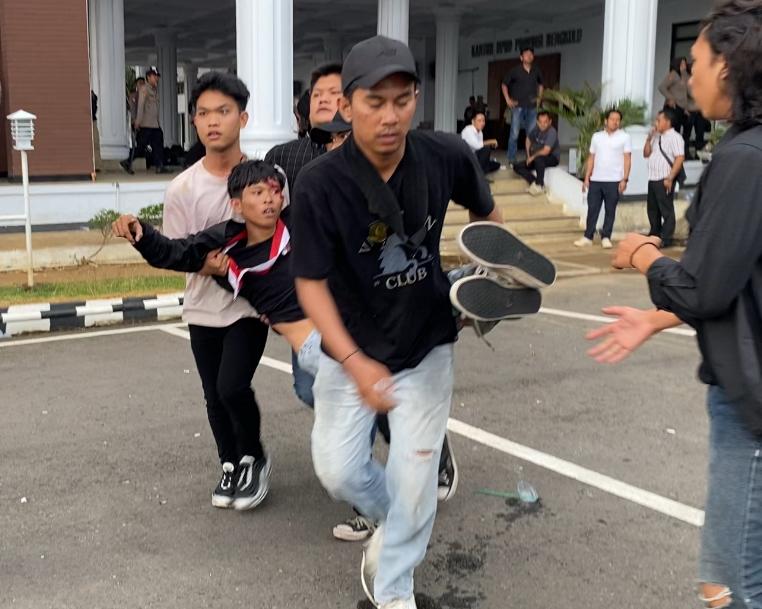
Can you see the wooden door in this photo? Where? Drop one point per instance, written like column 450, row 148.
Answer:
column 550, row 66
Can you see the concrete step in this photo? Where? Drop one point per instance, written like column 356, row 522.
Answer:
column 549, row 243
column 531, row 227
column 519, row 211
column 511, row 199
column 508, row 186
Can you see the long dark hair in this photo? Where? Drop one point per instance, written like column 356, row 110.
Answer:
column 674, row 65
column 734, row 31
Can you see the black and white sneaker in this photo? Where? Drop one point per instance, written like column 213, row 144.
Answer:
column 448, row 472
column 487, row 297
column 493, row 246
column 357, row 528
column 223, row 495
column 253, row 482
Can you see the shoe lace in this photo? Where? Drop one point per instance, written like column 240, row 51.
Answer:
column 361, row 522
column 227, row 480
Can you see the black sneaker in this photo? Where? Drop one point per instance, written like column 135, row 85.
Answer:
column 448, row 472
column 488, row 297
column 357, row 528
column 493, row 246
column 222, row 497
column 127, row 166
column 253, row 482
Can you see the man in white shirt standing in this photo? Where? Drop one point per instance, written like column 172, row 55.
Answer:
column 606, row 176
column 665, row 151
column 473, row 136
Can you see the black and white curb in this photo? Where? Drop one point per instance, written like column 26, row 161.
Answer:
column 46, row 317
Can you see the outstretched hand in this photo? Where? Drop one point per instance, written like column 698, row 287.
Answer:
column 624, row 335
column 128, row 227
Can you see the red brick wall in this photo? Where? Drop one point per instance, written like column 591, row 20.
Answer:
column 3, row 123
column 44, row 67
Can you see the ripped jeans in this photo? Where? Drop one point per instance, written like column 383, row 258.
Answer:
column 404, row 493
column 731, row 541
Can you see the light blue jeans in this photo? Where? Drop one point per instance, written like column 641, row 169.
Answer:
column 404, row 493
column 520, row 117
column 731, row 540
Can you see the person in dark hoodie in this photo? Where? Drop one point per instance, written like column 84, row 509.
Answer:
column 717, row 289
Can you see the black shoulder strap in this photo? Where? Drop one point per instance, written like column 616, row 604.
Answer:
column 664, row 154
column 379, row 196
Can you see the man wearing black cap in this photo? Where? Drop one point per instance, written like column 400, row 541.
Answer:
column 522, row 89
column 147, row 125
column 367, row 223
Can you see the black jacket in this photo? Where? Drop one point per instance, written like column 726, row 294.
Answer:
column 717, row 286
column 271, row 293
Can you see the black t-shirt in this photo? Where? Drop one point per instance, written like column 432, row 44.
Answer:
column 523, row 85
column 270, row 291
column 393, row 297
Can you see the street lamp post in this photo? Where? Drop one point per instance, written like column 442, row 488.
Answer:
column 22, row 132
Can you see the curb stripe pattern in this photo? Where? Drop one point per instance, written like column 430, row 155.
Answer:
column 47, row 317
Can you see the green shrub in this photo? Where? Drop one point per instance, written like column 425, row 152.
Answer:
column 153, row 214
column 582, row 110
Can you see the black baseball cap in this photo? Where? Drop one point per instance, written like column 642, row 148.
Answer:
column 152, row 71
column 372, row 60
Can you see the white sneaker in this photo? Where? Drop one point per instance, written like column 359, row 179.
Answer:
column 356, row 528
column 583, row 242
column 606, row 244
column 369, row 565
column 536, row 190
column 398, row 603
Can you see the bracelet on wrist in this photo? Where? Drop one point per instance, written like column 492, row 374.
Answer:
column 635, row 251
column 350, row 355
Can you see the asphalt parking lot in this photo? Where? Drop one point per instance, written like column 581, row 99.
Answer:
column 107, row 465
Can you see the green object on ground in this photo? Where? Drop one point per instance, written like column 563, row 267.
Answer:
column 87, row 290
column 503, row 494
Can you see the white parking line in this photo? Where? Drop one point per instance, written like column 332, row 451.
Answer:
column 605, row 320
column 80, row 335
column 589, row 477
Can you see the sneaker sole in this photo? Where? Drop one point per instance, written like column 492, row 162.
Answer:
column 365, row 585
column 223, row 502
column 485, row 299
column 494, row 246
column 242, row 504
column 346, row 534
column 450, row 492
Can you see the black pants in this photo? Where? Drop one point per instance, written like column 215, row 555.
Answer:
column 540, row 164
column 601, row 193
column 485, row 162
column 226, row 359
column 153, row 137
column 696, row 122
column 661, row 211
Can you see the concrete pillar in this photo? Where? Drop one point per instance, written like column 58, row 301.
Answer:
column 394, row 19
column 166, row 64
column 446, row 78
column 264, row 47
column 333, row 45
column 106, row 21
column 190, row 75
column 629, row 48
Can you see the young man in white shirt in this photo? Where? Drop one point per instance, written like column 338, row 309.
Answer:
column 665, row 151
column 226, row 337
column 473, row 135
column 606, row 176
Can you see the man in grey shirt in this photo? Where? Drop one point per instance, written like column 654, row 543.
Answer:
column 149, row 131
column 543, row 151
